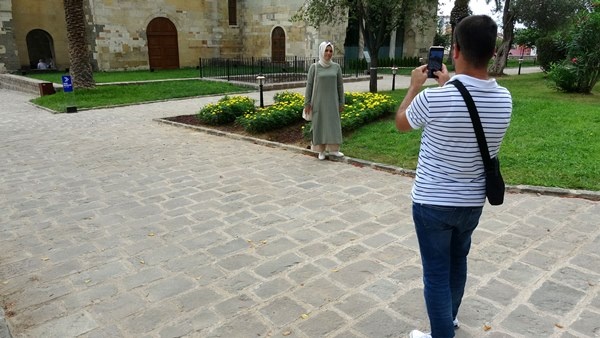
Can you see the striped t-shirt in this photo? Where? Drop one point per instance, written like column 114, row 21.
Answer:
column 450, row 170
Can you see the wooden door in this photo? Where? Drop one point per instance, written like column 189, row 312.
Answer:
column 278, row 45
column 163, row 48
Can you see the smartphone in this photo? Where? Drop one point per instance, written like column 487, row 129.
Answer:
column 434, row 60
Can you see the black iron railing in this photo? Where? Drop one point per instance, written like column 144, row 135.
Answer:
column 291, row 69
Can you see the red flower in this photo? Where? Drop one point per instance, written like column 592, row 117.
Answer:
column 574, row 60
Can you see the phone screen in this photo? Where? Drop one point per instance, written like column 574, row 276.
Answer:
column 436, row 56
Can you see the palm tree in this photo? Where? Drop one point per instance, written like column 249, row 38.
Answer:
column 79, row 57
column 458, row 12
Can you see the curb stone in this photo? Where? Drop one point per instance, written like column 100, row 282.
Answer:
column 518, row 189
column 4, row 332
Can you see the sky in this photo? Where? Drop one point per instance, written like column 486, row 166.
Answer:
column 477, row 6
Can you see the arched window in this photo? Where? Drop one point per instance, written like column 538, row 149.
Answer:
column 40, row 46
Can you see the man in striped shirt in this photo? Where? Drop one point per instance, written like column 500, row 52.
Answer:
column 449, row 189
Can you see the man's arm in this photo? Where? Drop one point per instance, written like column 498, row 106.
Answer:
column 417, row 78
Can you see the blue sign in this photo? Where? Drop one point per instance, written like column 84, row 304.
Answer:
column 67, row 84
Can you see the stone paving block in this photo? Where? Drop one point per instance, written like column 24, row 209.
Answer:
column 88, row 296
column 381, row 324
column 383, row 289
column 244, row 326
column 355, row 305
column 498, row 292
column 477, row 312
column 152, row 318
column 238, row 261
column 555, row 298
column 275, row 247
column 187, row 262
column 201, row 241
column 576, row 278
column 283, row 310
column 36, row 295
column 318, row 292
column 117, row 307
column 169, row 287
column 524, row 321
column 520, row 274
column 357, row 273
column 588, row 324
column 411, row 305
column 72, row 325
column 229, row 247
column 351, row 253
column 236, row 283
column 234, row 306
column 180, row 329
column 304, row 273
column 109, row 331
column 394, row 254
column 281, row 264
column 322, row 325
column 378, row 240
column 589, row 262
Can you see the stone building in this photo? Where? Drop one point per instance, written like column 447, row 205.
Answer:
column 133, row 34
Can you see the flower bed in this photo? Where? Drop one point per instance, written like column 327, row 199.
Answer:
column 360, row 109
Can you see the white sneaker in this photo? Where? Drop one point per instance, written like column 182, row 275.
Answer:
column 456, row 323
column 322, row 155
column 336, row 153
column 419, row 334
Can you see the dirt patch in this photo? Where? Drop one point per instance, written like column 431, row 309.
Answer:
column 291, row 134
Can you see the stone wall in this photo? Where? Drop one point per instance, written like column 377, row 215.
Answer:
column 9, row 58
column 117, row 30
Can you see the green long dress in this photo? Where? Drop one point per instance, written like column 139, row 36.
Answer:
column 329, row 96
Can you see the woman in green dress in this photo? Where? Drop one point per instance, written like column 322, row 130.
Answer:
column 327, row 103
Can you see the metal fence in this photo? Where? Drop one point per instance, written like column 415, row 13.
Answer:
column 290, row 69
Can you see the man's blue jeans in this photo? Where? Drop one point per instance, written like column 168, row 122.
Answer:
column 444, row 235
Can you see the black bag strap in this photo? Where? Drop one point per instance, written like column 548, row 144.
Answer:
column 479, row 133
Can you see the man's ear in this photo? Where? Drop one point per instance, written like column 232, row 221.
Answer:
column 455, row 51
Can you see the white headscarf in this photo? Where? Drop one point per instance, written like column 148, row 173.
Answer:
column 322, row 48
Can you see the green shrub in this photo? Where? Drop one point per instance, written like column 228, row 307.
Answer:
column 276, row 116
column 580, row 72
column 226, row 110
column 564, row 75
column 549, row 51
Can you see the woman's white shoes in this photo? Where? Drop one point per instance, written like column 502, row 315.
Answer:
column 333, row 153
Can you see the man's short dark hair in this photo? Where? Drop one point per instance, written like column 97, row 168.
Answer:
column 475, row 37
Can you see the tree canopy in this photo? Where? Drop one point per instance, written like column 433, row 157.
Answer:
column 377, row 19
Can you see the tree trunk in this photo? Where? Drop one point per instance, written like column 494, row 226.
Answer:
column 508, row 30
column 80, row 65
column 373, row 72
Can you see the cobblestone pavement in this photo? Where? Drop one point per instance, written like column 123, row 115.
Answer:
column 114, row 225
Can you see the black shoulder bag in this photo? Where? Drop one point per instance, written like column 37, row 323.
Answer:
column 494, row 184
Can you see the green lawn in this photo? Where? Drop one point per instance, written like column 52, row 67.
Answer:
column 553, row 139
column 134, row 75
column 111, row 95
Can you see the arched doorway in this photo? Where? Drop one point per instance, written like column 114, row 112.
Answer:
column 39, row 46
column 163, row 49
column 278, row 45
